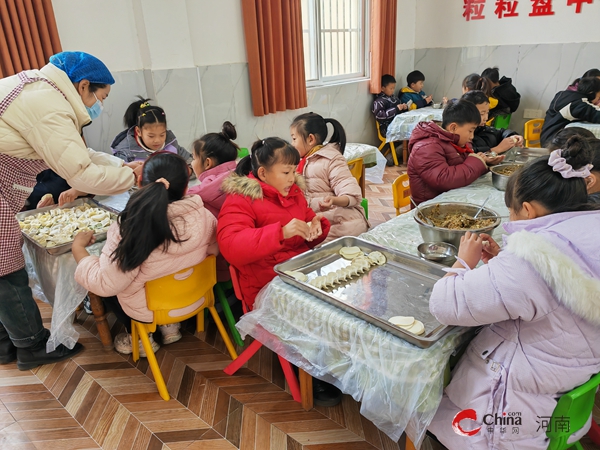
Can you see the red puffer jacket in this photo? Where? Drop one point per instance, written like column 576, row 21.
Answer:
column 435, row 165
column 250, row 230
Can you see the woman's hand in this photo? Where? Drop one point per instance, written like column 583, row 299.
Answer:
column 490, row 247
column 69, row 196
column 46, row 200
column 296, row 227
column 136, row 166
column 470, row 249
column 315, row 228
column 81, row 241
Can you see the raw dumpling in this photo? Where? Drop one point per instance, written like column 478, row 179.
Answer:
column 297, row 275
column 350, row 252
column 377, row 258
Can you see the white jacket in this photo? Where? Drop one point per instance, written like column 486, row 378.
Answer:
column 41, row 124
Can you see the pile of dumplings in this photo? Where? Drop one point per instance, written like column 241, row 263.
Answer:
column 360, row 264
column 59, row 226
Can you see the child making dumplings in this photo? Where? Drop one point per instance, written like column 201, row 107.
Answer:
column 265, row 220
column 537, row 299
column 330, row 187
column 161, row 231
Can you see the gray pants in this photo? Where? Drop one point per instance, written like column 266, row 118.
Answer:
column 20, row 317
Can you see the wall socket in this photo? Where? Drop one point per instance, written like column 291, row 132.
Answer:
column 533, row 114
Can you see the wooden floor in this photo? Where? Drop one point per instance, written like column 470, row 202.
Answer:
column 103, row 400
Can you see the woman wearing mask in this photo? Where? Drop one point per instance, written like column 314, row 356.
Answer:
column 43, row 112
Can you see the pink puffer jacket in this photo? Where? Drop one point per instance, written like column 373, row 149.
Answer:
column 197, row 230
column 326, row 173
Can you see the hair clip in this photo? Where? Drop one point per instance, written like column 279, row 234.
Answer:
column 144, row 105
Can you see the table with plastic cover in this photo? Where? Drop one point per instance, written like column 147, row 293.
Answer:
column 398, row 384
column 403, row 124
column 593, row 127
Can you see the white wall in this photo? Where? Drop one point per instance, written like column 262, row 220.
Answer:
column 440, row 23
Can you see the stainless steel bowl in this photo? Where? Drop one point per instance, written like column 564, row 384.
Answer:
column 437, row 251
column 500, row 181
column 431, row 233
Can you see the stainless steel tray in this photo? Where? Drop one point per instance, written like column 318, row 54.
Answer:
column 401, row 287
column 63, row 248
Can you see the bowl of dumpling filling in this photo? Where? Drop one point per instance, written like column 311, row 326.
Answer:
column 449, row 221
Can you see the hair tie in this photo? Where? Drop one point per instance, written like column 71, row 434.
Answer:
column 163, row 181
column 144, row 105
column 560, row 165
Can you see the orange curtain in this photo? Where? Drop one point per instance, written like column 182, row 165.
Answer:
column 383, row 41
column 28, row 35
column 273, row 33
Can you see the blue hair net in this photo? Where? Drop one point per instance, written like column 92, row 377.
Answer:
column 82, row 66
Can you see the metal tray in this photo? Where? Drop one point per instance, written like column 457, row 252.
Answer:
column 63, row 248
column 401, row 287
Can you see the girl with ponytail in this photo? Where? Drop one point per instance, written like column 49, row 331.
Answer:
column 161, row 231
column 330, row 187
column 537, row 300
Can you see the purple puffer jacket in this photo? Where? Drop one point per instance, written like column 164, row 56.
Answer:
column 539, row 300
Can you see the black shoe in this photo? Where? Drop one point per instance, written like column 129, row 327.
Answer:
column 30, row 358
column 325, row 394
column 8, row 352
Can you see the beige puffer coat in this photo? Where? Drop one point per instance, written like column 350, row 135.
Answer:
column 326, row 173
column 41, row 124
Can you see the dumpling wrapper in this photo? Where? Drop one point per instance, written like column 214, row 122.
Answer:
column 377, row 258
column 402, row 321
column 417, row 328
column 350, row 252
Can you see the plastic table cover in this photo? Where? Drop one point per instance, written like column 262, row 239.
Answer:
column 365, row 151
column 398, row 384
column 403, row 124
column 593, row 127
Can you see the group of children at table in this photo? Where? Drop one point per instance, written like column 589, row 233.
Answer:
column 537, row 300
column 280, row 201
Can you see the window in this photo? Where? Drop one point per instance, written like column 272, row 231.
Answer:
column 334, row 40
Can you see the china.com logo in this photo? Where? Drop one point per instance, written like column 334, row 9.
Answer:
column 512, row 419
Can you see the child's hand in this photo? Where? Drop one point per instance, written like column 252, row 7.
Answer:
column 69, row 196
column 493, row 160
column 315, row 228
column 444, row 100
column 506, row 144
column 480, row 157
column 326, row 204
column 519, row 141
column 470, row 249
column 429, row 98
column 402, row 106
column 83, row 239
column 46, row 200
column 296, row 227
column 490, row 248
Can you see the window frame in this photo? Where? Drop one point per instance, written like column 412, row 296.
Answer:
column 315, row 27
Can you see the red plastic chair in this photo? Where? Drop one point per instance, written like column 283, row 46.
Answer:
column 243, row 358
column 594, row 433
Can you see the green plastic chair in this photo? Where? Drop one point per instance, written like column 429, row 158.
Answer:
column 572, row 413
column 242, row 152
column 502, row 121
column 365, row 205
column 220, row 294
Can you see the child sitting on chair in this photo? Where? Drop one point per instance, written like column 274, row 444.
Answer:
column 441, row 158
column 488, row 139
column 386, row 105
column 161, row 231
column 413, row 93
column 330, row 187
column 536, row 302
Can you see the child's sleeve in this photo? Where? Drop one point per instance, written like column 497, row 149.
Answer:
column 585, row 111
column 383, row 109
column 491, row 293
column 101, row 275
column 437, row 173
column 342, row 182
column 240, row 242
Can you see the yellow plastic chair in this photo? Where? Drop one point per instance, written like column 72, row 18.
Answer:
column 357, row 169
column 181, row 293
column 383, row 144
column 401, row 193
column 533, row 130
